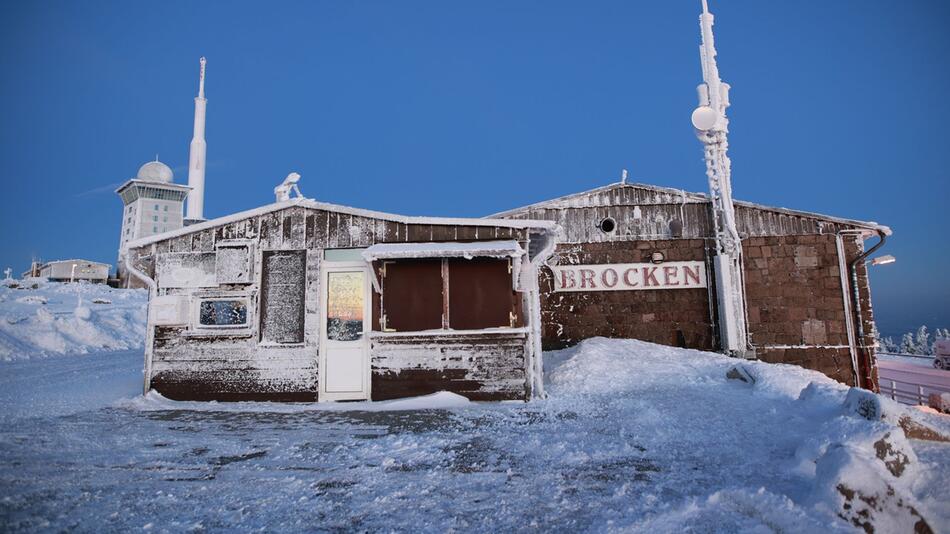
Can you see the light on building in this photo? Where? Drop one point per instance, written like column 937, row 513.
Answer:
column 883, row 260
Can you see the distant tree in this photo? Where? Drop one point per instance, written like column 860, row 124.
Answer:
column 922, row 341
column 888, row 345
column 907, row 344
column 942, row 333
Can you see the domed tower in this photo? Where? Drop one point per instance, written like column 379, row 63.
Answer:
column 153, row 205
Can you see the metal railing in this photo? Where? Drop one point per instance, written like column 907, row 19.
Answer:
column 902, row 355
column 911, row 394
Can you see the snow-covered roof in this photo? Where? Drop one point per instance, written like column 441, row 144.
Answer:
column 151, row 183
column 550, row 226
column 490, row 249
column 76, row 260
column 576, row 200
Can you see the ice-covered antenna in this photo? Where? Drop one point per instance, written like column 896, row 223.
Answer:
column 201, row 77
column 712, row 128
column 282, row 191
column 623, row 176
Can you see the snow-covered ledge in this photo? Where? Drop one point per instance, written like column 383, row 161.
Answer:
column 482, row 249
column 440, row 332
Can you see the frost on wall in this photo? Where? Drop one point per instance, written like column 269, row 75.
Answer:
column 233, row 265
column 282, row 296
column 186, row 269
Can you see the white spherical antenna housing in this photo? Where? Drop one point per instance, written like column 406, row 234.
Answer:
column 705, row 118
column 155, row 171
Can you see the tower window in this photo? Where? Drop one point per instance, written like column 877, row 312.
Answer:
column 166, row 208
column 156, row 207
column 607, row 225
column 154, row 218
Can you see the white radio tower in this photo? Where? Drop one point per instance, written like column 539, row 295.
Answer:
column 196, row 159
column 712, row 128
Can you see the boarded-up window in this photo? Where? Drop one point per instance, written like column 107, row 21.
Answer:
column 185, row 269
column 480, row 293
column 233, row 263
column 455, row 293
column 283, row 288
column 412, row 295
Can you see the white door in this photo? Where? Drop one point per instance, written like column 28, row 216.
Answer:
column 344, row 347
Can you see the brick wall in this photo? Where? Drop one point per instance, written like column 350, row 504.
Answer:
column 795, row 302
column 669, row 317
column 793, row 290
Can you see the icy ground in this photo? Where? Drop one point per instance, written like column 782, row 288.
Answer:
column 634, row 437
column 40, row 318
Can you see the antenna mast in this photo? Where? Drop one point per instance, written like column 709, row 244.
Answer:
column 197, row 153
column 712, row 128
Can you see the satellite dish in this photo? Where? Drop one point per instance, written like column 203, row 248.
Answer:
column 704, row 118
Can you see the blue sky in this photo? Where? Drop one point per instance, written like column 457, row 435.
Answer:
column 467, row 108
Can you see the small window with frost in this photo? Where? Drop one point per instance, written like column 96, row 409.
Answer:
column 233, row 263
column 223, row 313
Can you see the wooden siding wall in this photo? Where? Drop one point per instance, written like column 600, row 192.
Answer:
column 236, row 366
column 480, row 367
column 579, row 217
column 780, row 250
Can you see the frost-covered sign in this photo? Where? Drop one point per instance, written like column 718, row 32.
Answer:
column 630, row 276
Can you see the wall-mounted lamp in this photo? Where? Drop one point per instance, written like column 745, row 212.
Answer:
column 657, row 257
column 883, row 260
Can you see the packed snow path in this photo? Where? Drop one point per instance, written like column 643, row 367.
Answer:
column 633, row 436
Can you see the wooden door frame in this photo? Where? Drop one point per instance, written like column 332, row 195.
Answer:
column 326, row 268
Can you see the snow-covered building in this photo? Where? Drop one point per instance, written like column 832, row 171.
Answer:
column 305, row 300
column 71, row 271
column 636, row 261
column 153, row 204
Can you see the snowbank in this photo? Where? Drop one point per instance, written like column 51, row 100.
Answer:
column 851, row 459
column 40, row 318
column 634, row 437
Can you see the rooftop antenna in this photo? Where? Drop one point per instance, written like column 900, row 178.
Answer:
column 623, row 176
column 282, row 191
column 712, row 128
column 197, row 154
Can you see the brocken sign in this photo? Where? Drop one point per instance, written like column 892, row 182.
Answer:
column 630, row 276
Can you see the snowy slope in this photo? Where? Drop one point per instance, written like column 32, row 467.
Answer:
column 40, row 318
column 634, row 437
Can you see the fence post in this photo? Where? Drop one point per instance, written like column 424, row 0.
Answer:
column 920, row 395
column 893, row 390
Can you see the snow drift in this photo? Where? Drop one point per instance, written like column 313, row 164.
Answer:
column 40, row 318
column 633, row 437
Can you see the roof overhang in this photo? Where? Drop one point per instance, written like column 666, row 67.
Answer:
column 149, row 183
column 481, row 249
